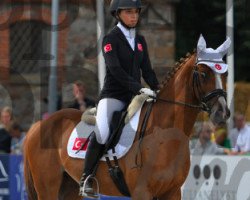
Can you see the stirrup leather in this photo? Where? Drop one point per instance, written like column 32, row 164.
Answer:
column 86, row 191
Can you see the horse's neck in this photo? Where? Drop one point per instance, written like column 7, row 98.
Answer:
column 178, row 89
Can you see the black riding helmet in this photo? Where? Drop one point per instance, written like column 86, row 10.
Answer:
column 116, row 5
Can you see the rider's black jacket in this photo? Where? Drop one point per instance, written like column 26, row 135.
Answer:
column 124, row 66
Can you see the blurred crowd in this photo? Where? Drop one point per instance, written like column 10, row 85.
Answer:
column 11, row 133
column 217, row 140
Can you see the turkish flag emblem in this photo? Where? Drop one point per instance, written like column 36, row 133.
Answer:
column 107, row 48
column 79, row 142
column 140, row 48
column 218, row 67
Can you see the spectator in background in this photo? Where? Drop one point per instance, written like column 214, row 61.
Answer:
column 5, row 138
column 240, row 135
column 6, row 117
column 45, row 100
column 81, row 102
column 17, row 135
column 221, row 138
column 5, row 141
column 194, row 137
column 239, row 127
column 204, row 146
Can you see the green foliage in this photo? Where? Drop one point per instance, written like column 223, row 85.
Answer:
column 209, row 18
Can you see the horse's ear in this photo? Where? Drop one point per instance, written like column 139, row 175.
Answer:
column 201, row 44
column 223, row 49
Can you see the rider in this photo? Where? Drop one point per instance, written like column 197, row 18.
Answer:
column 126, row 56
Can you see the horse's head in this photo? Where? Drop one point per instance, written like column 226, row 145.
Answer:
column 209, row 80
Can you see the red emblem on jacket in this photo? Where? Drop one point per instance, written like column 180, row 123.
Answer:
column 78, row 144
column 218, row 67
column 107, row 48
column 140, row 48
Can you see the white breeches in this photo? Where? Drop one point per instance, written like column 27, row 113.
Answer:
column 105, row 109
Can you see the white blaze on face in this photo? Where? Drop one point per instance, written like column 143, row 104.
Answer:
column 218, row 83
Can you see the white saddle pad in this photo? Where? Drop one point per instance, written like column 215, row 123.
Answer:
column 81, row 132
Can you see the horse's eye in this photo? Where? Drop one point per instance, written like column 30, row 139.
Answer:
column 203, row 75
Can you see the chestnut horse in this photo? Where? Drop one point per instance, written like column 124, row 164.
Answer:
column 164, row 152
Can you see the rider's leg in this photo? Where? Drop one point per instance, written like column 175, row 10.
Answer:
column 106, row 108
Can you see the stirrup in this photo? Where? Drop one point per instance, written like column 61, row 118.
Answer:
column 91, row 193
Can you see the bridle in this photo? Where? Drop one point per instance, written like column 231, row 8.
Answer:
column 199, row 93
column 205, row 99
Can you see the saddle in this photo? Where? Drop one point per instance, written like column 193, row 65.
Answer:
column 117, row 124
column 119, row 119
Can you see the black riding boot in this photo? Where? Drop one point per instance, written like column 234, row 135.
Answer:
column 93, row 155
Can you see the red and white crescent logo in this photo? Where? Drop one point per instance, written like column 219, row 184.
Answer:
column 140, row 48
column 218, row 67
column 107, row 48
column 79, row 142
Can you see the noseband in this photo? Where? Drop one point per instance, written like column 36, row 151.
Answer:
column 203, row 98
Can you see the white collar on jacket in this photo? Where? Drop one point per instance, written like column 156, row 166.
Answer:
column 128, row 33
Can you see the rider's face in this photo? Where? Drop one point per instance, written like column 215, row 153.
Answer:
column 130, row 16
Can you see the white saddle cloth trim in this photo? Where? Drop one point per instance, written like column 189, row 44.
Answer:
column 83, row 130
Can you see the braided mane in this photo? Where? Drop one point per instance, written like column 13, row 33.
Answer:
column 177, row 66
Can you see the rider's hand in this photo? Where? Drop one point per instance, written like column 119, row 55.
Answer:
column 148, row 92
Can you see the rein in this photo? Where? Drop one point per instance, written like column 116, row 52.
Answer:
column 181, row 103
column 197, row 89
